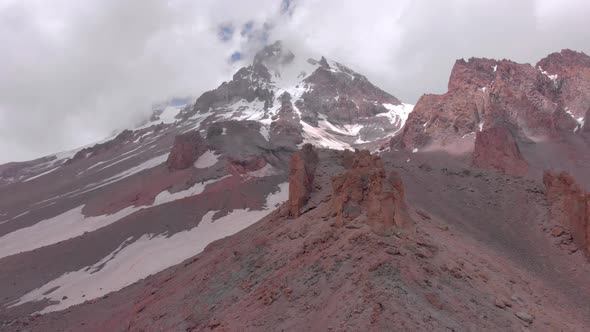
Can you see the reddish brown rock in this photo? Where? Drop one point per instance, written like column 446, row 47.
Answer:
column 571, row 75
column 367, row 189
column 301, row 176
column 496, row 148
column 186, row 150
column 569, row 205
column 244, row 166
column 545, row 100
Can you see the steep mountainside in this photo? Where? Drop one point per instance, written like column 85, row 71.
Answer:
column 220, row 216
column 78, row 225
column 425, row 262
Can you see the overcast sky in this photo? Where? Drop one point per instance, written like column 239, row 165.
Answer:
column 73, row 72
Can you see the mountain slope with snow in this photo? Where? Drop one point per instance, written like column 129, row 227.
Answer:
column 192, row 173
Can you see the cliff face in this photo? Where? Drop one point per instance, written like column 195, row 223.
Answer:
column 496, row 148
column 494, row 108
column 569, row 206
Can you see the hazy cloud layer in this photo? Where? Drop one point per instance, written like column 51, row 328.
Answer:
column 72, row 72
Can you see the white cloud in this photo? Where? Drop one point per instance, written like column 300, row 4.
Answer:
column 73, row 71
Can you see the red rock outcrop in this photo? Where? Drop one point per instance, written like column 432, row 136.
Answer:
column 186, row 150
column 569, row 205
column 246, row 165
column 496, row 148
column 301, row 175
column 570, row 71
column 546, row 100
column 367, row 190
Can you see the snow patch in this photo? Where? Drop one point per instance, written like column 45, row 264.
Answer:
column 207, row 159
column 74, row 223
column 322, row 138
column 265, row 132
column 149, row 254
column 166, row 197
column 169, row 114
column 65, row 226
column 345, row 130
column 15, row 217
column 40, row 175
column 267, row 170
column 551, row 77
column 398, row 114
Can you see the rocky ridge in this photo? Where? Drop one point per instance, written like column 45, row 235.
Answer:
column 546, row 100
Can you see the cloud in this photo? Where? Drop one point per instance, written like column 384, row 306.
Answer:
column 72, row 72
column 408, row 47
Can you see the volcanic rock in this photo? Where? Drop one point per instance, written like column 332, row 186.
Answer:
column 367, row 191
column 496, row 148
column 548, row 100
column 186, row 150
column 569, row 205
column 301, row 175
column 570, row 72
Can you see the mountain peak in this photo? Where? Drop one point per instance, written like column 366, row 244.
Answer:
column 274, row 55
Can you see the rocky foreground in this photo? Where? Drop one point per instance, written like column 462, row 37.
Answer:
column 369, row 243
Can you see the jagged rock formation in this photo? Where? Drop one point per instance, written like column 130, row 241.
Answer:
column 368, row 192
column 569, row 205
column 496, row 148
column 186, row 150
column 547, row 100
column 301, row 175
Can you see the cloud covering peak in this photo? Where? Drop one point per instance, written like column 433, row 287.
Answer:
column 72, row 72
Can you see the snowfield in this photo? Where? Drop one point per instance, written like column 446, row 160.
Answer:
column 149, row 254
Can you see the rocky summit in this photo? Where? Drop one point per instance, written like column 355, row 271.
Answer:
column 299, row 196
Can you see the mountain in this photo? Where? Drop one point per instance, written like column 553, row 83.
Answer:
column 249, row 211
column 516, row 118
column 78, row 225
